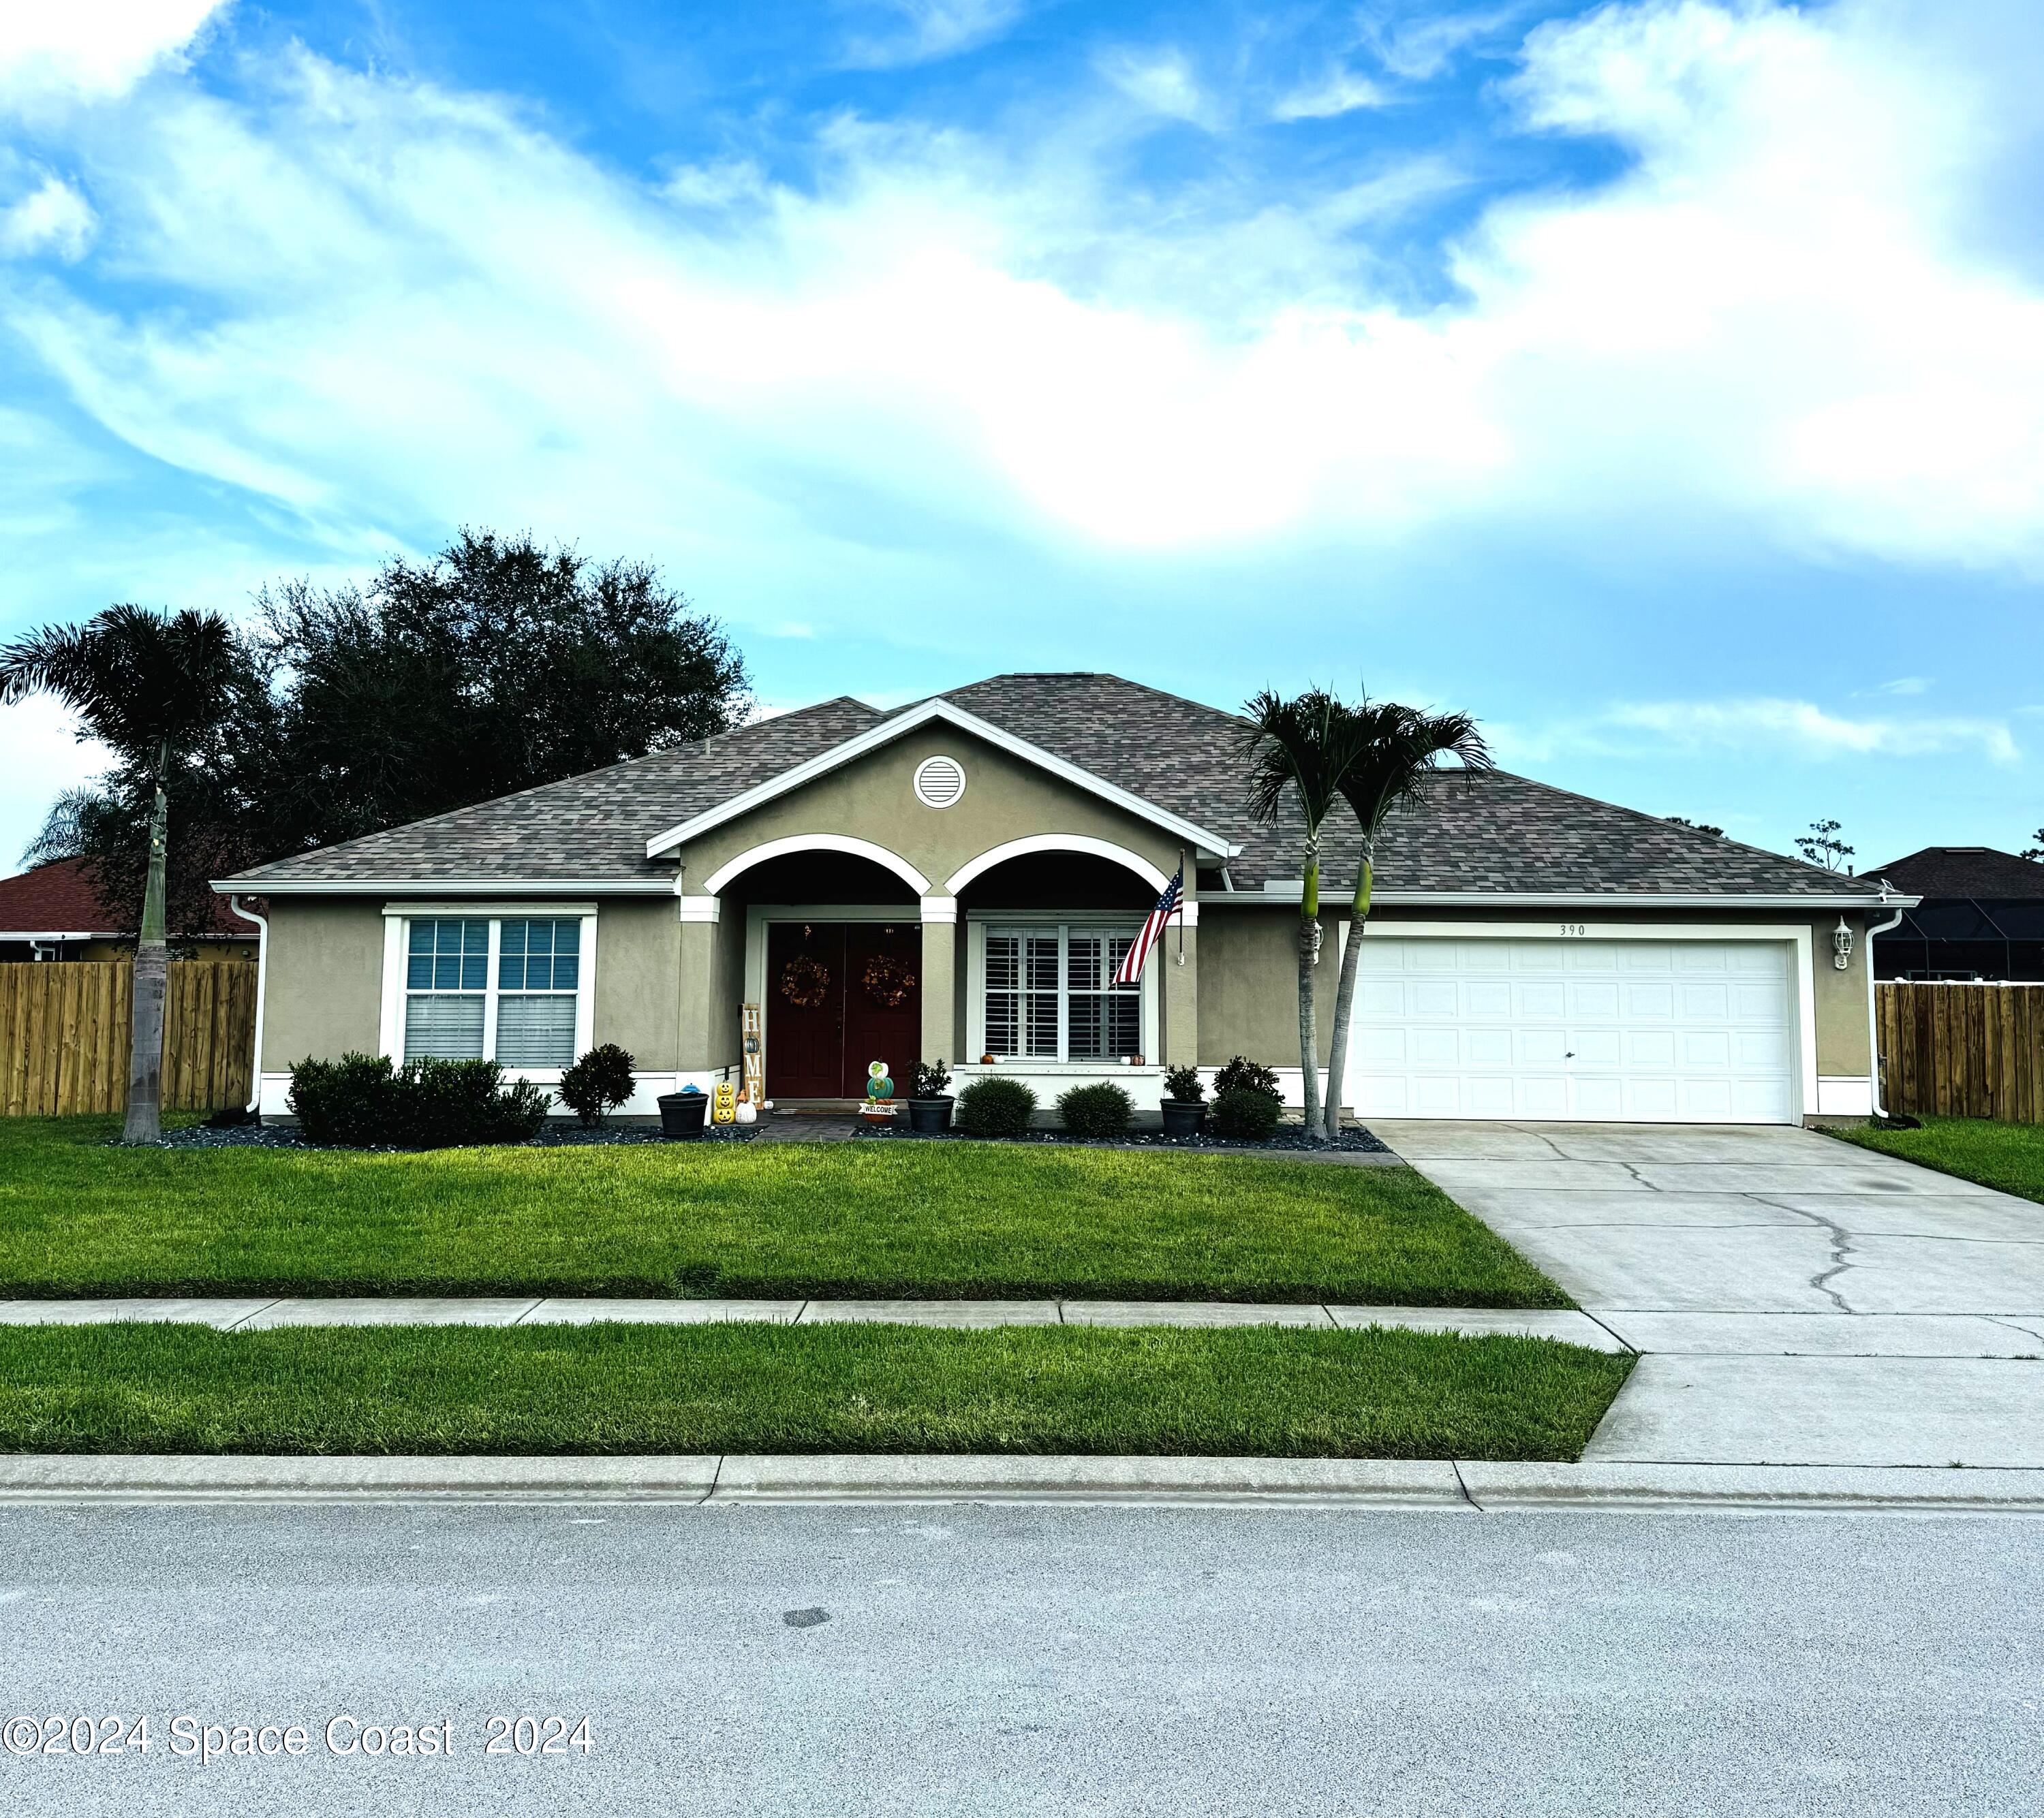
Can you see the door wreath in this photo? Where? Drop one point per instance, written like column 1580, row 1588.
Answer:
column 804, row 982
column 889, row 981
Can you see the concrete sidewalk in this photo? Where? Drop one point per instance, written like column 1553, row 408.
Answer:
column 256, row 1314
column 1445, row 1486
column 1796, row 1300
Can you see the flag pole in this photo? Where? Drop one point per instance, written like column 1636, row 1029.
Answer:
column 1181, row 905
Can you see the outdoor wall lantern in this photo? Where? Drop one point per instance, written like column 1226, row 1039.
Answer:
column 1841, row 940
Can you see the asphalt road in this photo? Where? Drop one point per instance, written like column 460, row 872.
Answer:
column 844, row 1660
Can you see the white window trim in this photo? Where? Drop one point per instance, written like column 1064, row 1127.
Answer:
column 397, row 936
column 977, row 925
column 1794, row 936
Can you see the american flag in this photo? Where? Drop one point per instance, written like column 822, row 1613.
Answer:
column 1139, row 952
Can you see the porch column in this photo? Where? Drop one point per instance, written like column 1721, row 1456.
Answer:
column 1182, row 990
column 698, row 991
column 940, row 979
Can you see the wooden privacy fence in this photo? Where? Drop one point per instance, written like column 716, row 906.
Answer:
column 1963, row 1050
column 63, row 1036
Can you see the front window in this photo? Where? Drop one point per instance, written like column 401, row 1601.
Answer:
column 480, row 988
column 446, row 979
column 1050, row 995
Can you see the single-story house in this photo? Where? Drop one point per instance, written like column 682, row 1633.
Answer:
column 959, row 879
column 1980, row 917
column 52, row 912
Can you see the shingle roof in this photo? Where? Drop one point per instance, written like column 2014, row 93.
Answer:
column 58, row 898
column 1499, row 832
column 583, row 828
column 1975, row 871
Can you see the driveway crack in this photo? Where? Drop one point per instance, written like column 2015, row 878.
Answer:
column 1842, row 1250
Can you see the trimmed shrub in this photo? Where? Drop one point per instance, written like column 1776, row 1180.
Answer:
column 358, row 1101
column 1242, row 1074
column 993, row 1107
column 350, row 1101
column 1245, row 1114
column 1183, row 1083
column 1099, row 1113
column 597, row 1083
column 452, row 1104
column 933, row 1079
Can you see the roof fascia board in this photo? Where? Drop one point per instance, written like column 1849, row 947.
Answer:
column 888, row 730
column 1291, row 892
column 506, row 887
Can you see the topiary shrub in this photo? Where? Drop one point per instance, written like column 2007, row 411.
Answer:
column 351, row 1101
column 597, row 1083
column 1099, row 1113
column 1245, row 1115
column 360, row 1101
column 1242, row 1074
column 996, row 1108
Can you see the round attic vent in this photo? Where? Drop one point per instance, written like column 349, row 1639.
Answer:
column 939, row 781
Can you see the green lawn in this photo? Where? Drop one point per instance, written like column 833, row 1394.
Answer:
column 2010, row 1156
column 924, row 1220
column 758, row 1388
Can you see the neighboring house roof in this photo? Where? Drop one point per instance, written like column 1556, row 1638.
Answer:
column 1483, row 835
column 58, row 898
column 1975, row 870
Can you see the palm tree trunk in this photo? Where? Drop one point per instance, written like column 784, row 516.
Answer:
column 145, row 1054
column 1358, row 918
column 1309, row 957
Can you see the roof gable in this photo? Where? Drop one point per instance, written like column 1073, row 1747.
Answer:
column 938, row 707
column 1974, row 871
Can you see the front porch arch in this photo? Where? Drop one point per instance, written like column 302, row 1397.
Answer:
column 714, row 884
column 1055, row 842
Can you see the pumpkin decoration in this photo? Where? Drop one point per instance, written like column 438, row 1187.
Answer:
column 888, row 980
column 804, row 982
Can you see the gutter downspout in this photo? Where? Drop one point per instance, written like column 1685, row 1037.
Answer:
column 262, row 991
column 1873, row 1022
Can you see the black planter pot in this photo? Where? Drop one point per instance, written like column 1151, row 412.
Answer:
column 930, row 1117
column 681, row 1114
column 1185, row 1117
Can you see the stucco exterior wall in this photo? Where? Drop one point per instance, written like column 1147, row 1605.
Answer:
column 324, row 990
column 638, row 980
column 873, row 798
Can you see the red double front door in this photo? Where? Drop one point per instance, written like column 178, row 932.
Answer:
column 822, row 1049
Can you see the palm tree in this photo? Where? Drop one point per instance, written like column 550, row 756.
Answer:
column 1299, row 753
column 1391, row 752
column 148, row 685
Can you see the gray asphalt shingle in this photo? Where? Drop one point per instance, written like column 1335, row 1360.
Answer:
column 1499, row 832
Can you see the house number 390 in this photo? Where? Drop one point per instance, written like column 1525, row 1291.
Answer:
column 1575, row 929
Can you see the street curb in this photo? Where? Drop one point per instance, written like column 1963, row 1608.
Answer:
column 1350, row 1484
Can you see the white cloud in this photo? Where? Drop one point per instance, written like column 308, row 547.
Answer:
column 40, row 755
column 1801, row 729
column 53, row 217
column 923, row 31
column 1419, row 49
column 1162, row 82
column 1905, row 684
column 90, row 49
column 400, row 306
column 1339, row 91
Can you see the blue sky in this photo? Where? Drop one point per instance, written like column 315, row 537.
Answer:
column 1662, row 382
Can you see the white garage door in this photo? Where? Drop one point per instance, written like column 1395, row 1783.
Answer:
column 1605, row 1031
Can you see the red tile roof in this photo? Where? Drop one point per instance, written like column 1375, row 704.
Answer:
column 58, row 899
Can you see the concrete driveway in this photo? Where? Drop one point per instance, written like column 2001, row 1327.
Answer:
column 1795, row 1300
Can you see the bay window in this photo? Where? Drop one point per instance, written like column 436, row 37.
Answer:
column 511, row 988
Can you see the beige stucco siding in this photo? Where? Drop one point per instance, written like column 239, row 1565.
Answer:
column 872, row 799
column 638, row 980
column 324, row 982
